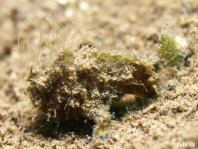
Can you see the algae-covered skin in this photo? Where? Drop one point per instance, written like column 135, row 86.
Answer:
column 87, row 83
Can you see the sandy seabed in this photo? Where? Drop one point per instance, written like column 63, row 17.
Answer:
column 171, row 121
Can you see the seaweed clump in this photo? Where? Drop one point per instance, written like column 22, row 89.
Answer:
column 88, row 83
column 169, row 53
